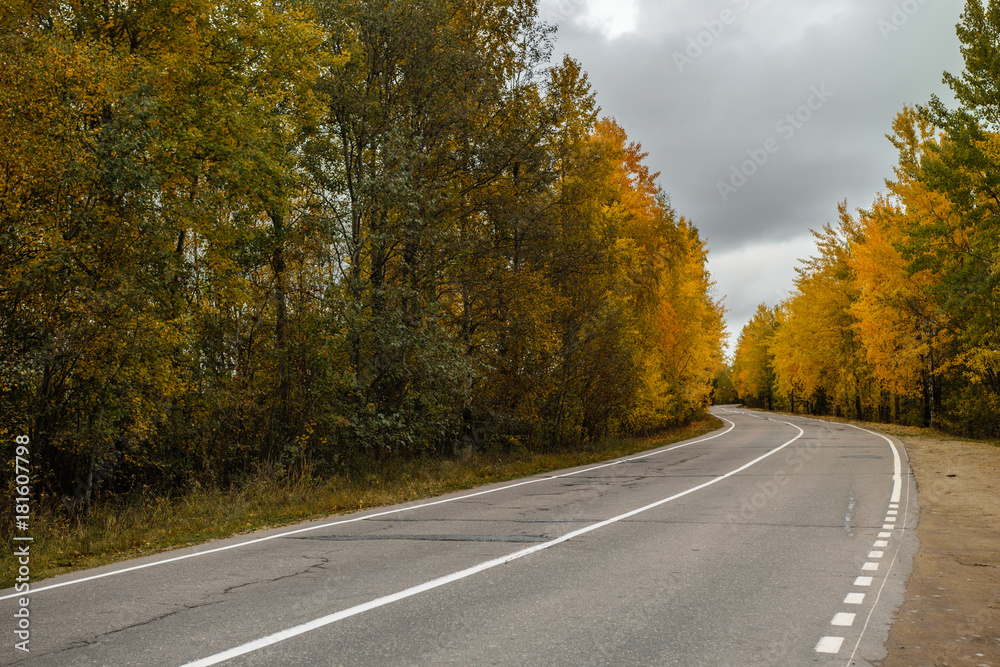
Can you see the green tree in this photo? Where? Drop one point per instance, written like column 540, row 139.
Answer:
column 964, row 249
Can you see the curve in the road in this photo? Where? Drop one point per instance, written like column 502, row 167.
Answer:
column 366, row 517
column 295, row 631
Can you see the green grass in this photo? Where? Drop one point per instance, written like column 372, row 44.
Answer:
column 149, row 525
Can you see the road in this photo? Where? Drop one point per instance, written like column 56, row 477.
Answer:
column 773, row 541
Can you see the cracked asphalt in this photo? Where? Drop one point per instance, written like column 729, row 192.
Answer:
column 748, row 570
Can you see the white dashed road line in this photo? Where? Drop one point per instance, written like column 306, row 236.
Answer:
column 832, row 644
column 829, row 645
column 843, row 619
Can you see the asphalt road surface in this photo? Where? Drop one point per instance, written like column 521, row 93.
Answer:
column 772, row 541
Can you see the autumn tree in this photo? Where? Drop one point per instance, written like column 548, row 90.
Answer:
column 723, row 388
column 753, row 365
column 155, row 131
column 902, row 308
column 245, row 237
column 964, row 247
column 817, row 352
column 907, row 336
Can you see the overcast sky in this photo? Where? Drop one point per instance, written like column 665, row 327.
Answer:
column 707, row 87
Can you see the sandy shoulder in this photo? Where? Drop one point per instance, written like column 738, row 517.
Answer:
column 952, row 611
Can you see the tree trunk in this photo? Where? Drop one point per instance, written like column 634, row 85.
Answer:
column 281, row 425
column 925, row 396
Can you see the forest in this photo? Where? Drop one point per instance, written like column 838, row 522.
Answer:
column 896, row 318
column 287, row 235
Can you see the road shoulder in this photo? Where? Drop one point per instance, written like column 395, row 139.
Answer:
column 951, row 615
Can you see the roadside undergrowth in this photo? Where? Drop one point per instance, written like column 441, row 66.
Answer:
column 147, row 525
column 898, row 430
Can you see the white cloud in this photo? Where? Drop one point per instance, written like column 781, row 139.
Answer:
column 756, row 273
column 613, row 18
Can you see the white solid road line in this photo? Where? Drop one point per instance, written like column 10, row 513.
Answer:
column 462, row 574
column 894, row 504
column 366, row 517
column 833, row 644
column 897, row 467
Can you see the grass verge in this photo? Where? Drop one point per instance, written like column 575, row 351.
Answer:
column 146, row 526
